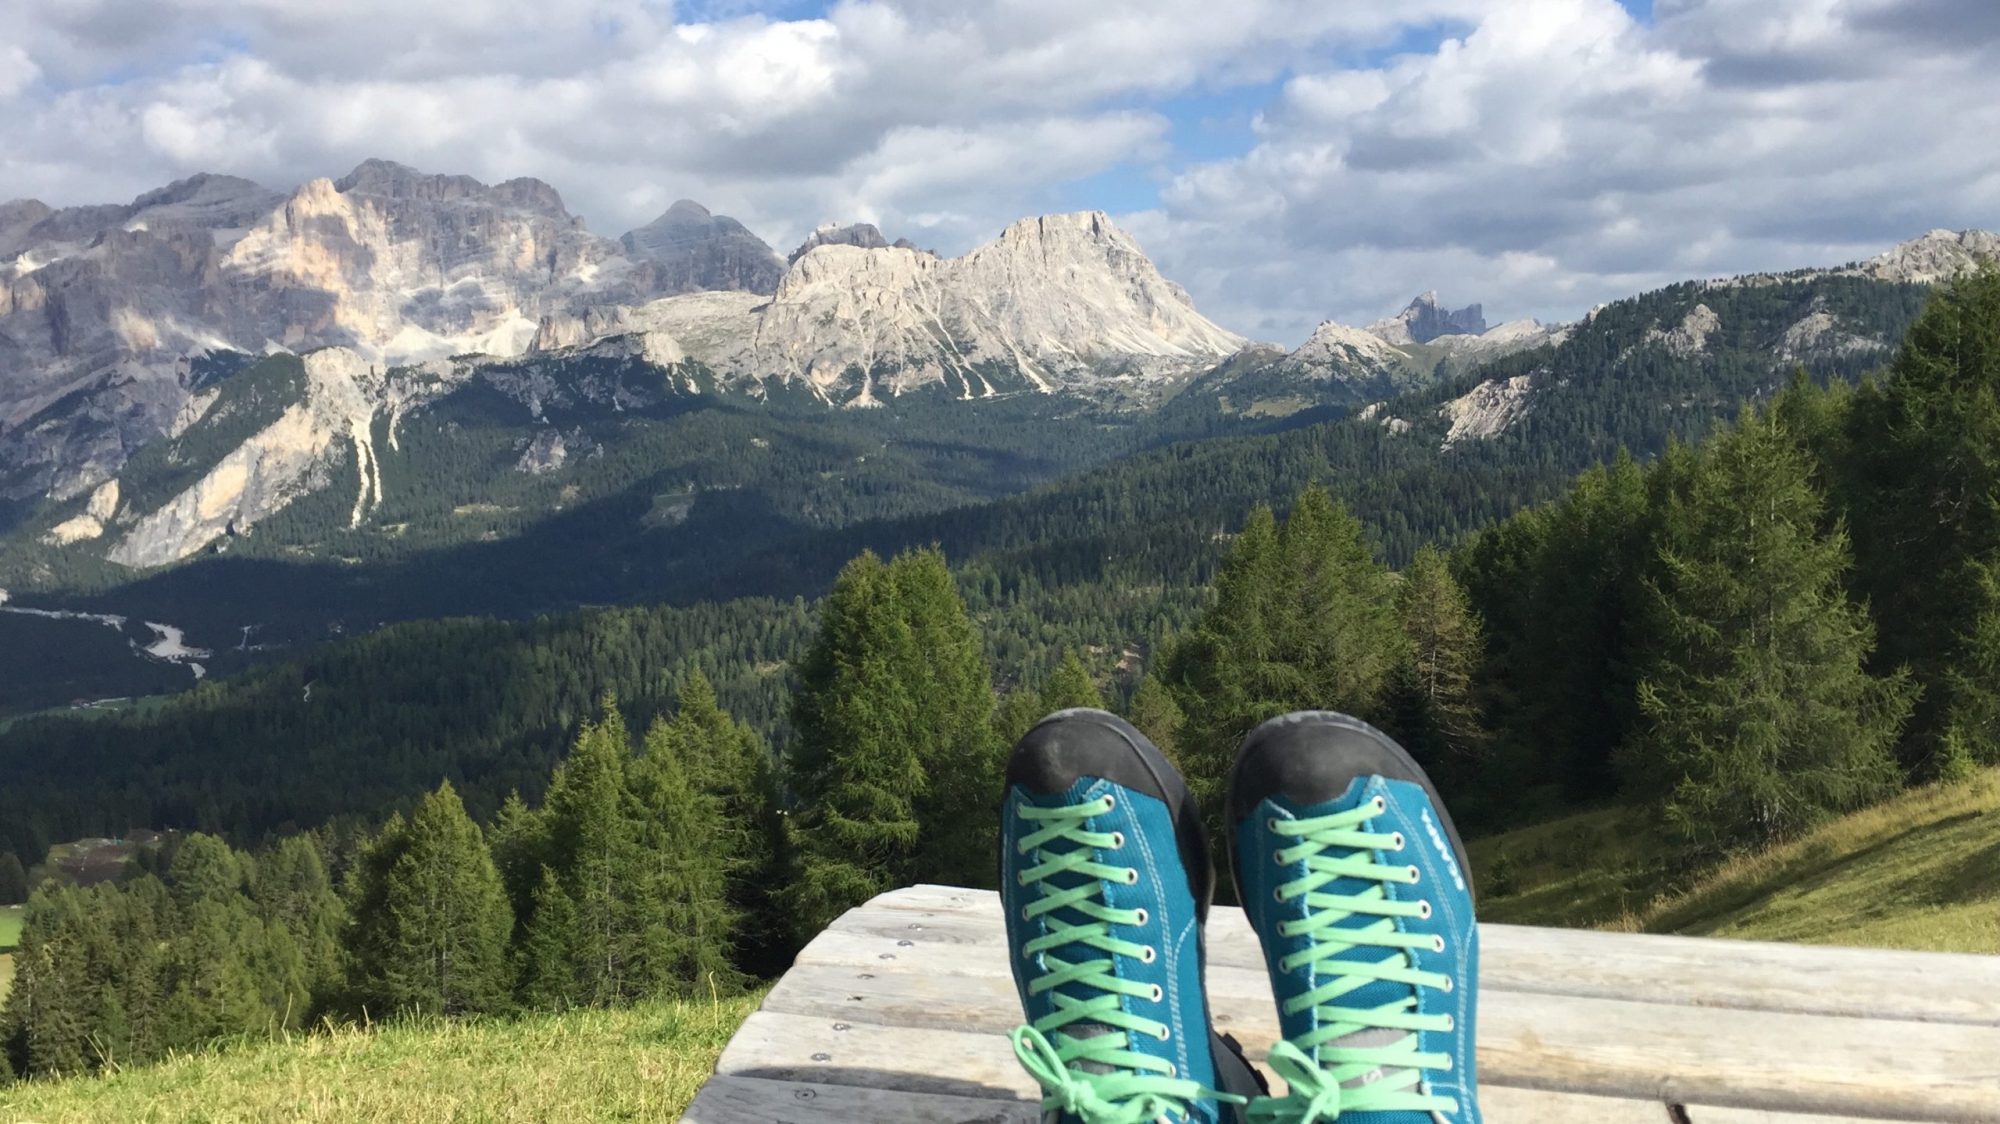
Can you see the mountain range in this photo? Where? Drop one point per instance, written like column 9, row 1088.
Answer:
column 392, row 377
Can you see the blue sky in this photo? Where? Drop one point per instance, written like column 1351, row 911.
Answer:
column 1285, row 160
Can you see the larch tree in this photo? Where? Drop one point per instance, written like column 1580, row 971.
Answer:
column 1760, row 715
column 1437, row 712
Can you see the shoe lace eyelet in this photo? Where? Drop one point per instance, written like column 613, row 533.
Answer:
column 1271, row 824
column 1159, row 993
column 1148, row 955
column 1110, row 802
column 1424, row 910
column 1437, row 943
column 1164, row 1033
column 1278, row 894
column 1449, row 1024
column 1414, row 875
column 1132, row 875
column 1396, row 841
column 1381, row 805
column 1143, row 917
column 1449, row 986
column 1117, row 840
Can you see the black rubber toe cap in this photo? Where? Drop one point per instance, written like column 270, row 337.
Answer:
column 1090, row 743
column 1071, row 744
column 1313, row 756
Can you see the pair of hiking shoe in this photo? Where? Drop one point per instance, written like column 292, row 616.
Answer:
column 1348, row 870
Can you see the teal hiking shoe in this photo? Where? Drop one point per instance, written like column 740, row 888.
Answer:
column 1105, row 878
column 1355, row 881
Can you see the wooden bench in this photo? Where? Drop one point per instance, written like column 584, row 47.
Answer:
column 897, row 1014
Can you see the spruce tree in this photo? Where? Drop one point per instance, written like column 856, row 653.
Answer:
column 1760, row 715
column 1154, row 713
column 732, row 768
column 548, row 967
column 205, row 869
column 1017, row 713
column 1303, row 619
column 519, row 840
column 1922, row 505
column 13, row 879
column 688, row 850
column 949, row 688
column 292, row 891
column 1437, row 713
column 1070, row 686
column 45, row 1025
column 857, row 777
column 594, row 849
column 430, row 918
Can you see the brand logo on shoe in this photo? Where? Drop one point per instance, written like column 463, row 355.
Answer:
column 1443, row 848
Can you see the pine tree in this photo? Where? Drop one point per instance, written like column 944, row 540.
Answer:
column 430, row 920
column 1437, row 713
column 1922, row 503
column 1972, row 731
column 1761, row 717
column 13, row 879
column 857, row 777
column 1070, row 686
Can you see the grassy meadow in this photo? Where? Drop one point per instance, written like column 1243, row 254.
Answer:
column 1921, row 871
column 642, row 1063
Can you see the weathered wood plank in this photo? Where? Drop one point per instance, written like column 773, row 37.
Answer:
column 752, row 1100
column 1702, row 1114
column 904, row 1071
column 1729, row 1057
column 785, row 1046
column 1755, row 975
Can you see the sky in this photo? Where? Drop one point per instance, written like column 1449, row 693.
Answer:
column 1288, row 161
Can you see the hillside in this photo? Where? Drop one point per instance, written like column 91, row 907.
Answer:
column 640, row 1063
column 1921, row 871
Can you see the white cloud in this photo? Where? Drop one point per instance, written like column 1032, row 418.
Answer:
column 17, row 71
column 1561, row 153
column 1541, row 156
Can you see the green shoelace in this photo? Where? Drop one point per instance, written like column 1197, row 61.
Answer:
column 1096, row 1077
column 1316, row 1066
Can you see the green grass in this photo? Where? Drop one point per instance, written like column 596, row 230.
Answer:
column 10, row 926
column 6, row 975
column 644, row 1063
column 1921, row 871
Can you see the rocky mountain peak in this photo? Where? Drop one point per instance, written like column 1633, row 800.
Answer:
column 1936, row 256
column 1424, row 319
column 388, row 179
column 697, row 250
column 863, row 235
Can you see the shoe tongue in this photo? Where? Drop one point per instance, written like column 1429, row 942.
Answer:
column 1376, row 993
column 1091, row 1030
